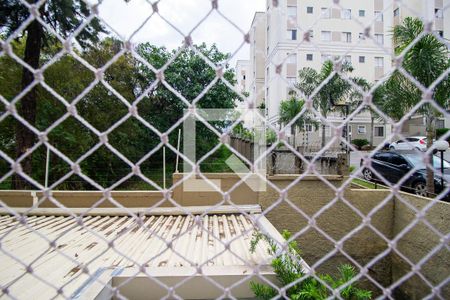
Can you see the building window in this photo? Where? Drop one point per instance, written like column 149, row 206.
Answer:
column 346, row 14
column 396, row 12
column 292, row 80
column 309, row 57
column 311, row 33
column 362, row 13
column 292, row 58
column 292, row 34
column 379, row 38
column 438, row 13
column 347, row 59
column 308, row 127
column 361, row 129
column 441, row 33
column 347, row 37
column 325, row 36
column 327, row 131
column 379, row 62
column 309, row 10
column 378, row 131
column 325, row 13
column 292, row 14
column 325, row 57
column 362, row 59
column 361, row 36
column 378, row 16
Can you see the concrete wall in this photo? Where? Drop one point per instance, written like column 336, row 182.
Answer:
column 312, row 197
column 417, row 242
column 83, row 199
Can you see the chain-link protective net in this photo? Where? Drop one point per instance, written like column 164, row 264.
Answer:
column 68, row 253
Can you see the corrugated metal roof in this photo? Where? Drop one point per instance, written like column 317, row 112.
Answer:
column 151, row 241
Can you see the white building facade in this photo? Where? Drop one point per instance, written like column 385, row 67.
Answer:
column 296, row 34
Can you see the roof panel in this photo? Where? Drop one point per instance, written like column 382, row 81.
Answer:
column 152, row 241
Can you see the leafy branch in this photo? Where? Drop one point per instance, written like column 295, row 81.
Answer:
column 289, row 271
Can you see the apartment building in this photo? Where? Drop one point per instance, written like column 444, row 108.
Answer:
column 241, row 72
column 305, row 33
column 257, row 58
column 428, row 10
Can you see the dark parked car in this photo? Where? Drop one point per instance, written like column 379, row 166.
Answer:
column 394, row 165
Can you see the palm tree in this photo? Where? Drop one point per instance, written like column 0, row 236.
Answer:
column 333, row 91
column 425, row 61
column 289, row 109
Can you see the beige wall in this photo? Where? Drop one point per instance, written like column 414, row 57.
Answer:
column 364, row 244
column 336, row 222
column 417, row 242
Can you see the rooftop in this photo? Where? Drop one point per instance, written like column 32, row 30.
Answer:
column 57, row 249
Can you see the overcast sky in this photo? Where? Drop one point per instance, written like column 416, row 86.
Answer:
column 126, row 18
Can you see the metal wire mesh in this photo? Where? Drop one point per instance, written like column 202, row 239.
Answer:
column 90, row 229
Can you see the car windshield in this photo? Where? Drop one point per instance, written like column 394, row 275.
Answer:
column 418, row 163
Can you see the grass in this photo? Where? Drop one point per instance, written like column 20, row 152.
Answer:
column 367, row 184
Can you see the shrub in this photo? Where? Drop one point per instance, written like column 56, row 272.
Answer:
column 351, row 169
column 441, row 131
column 288, row 269
column 360, row 142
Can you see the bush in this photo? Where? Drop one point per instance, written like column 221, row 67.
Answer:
column 288, row 269
column 441, row 131
column 360, row 143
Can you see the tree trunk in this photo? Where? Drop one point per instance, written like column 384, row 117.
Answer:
column 293, row 136
column 372, row 121
column 323, row 135
column 430, row 120
column 27, row 108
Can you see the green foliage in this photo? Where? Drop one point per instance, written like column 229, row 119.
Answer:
column 425, row 62
column 131, row 79
column 441, row 131
column 334, row 91
column 289, row 271
column 351, row 169
column 360, row 143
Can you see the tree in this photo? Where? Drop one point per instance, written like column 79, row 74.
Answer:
column 63, row 16
column 101, row 109
column 425, row 61
column 334, row 90
column 289, row 109
column 190, row 75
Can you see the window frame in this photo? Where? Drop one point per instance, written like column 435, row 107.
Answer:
column 325, row 13
column 322, row 34
column 361, row 131
column 379, row 17
column 375, row 131
column 292, row 34
column 346, row 14
column 377, row 59
column 346, row 34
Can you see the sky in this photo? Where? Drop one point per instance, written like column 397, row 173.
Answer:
column 185, row 15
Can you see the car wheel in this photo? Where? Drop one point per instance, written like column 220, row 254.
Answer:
column 368, row 175
column 391, row 148
column 420, row 189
